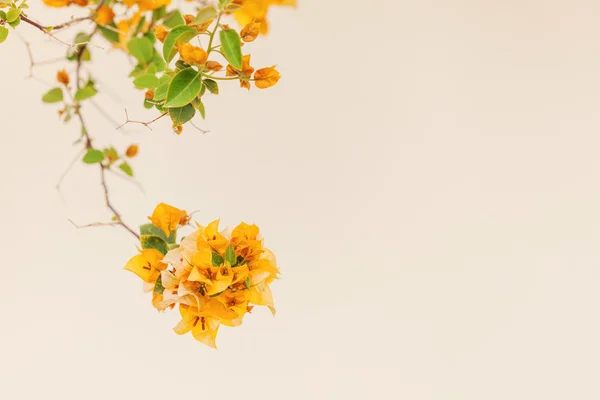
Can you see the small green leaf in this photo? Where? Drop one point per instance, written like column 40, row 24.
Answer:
column 158, row 287
column 148, row 81
column 204, row 15
column 173, row 20
column 199, row 105
column 110, row 32
column 181, row 115
column 15, row 23
column 154, row 242
column 141, row 48
column 161, row 92
column 184, row 87
column 230, row 256
column 178, row 34
column 13, row 14
column 93, row 156
column 3, row 33
column 224, row 3
column 2, row 13
column 85, row 92
column 217, row 260
column 212, row 86
column 232, row 47
column 247, row 283
column 151, row 229
column 126, row 168
column 53, row 96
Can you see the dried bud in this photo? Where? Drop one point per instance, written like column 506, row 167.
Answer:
column 81, row 3
column 177, row 129
column 104, row 15
column 149, row 95
column 132, row 151
column 250, row 32
column 62, row 77
column 213, row 66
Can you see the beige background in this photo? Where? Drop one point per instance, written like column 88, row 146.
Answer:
column 427, row 173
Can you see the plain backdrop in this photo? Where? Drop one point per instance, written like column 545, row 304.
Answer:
column 427, row 173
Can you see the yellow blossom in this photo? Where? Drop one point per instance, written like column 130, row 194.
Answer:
column 167, row 218
column 211, row 237
column 204, row 327
column 244, row 74
column 266, row 77
column 147, row 5
column 161, row 33
column 104, row 15
column 62, row 77
column 256, row 11
column 57, row 3
column 147, row 265
column 191, row 54
column 132, row 151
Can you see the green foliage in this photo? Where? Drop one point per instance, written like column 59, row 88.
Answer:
column 53, row 95
column 109, row 32
column 199, row 105
column 3, row 33
column 204, row 15
column 126, row 168
column 151, row 229
column 178, row 34
column 154, row 242
column 173, row 19
column 230, row 256
column 148, row 81
column 141, row 48
column 93, row 156
column 13, row 14
column 232, row 47
column 184, row 87
column 158, row 287
column 181, row 115
column 85, row 92
column 217, row 259
column 212, row 86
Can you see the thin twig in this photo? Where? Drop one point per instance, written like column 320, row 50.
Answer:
column 146, row 124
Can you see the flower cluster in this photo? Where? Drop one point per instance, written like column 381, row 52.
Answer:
column 215, row 277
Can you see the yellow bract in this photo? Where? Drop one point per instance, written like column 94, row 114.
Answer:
column 215, row 277
column 256, row 11
column 266, row 77
column 104, row 15
column 191, row 54
column 57, row 3
column 167, row 218
column 62, row 77
column 147, row 5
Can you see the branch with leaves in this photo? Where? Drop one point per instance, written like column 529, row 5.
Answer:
column 180, row 55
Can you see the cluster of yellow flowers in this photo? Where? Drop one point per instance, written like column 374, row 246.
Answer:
column 215, row 277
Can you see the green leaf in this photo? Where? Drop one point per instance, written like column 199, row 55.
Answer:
column 2, row 13
column 126, row 168
column 53, row 96
column 161, row 92
column 141, row 48
column 181, row 115
column 151, row 229
column 232, row 47
column 111, row 154
column 173, row 19
column 159, row 13
column 15, row 23
column 110, row 33
column 3, row 33
column 85, row 92
column 184, row 87
column 247, row 283
column 178, row 34
column 224, row 3
column 147, row 81
column 93, row 156
column 212, row 86
column 204, row 15
column 154, row 242
column 13, row 14
column 158, row 287
column 199, row 105
column 217, row 260
column 230, row 256
column 158, row 62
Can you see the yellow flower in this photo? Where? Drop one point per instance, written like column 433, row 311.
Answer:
column 126, row 27
column 104, row 15
column 256, row 11
column 266, row 77
column 57, row 3
column 132, row 151
column 167, row 218
column 244, row 74
column 147, row 5
column 203, row 326
column 211, row 237
column 191, row 54
column 62, row 77
column 147, row 265
column 161, row 33
column 246, row 241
